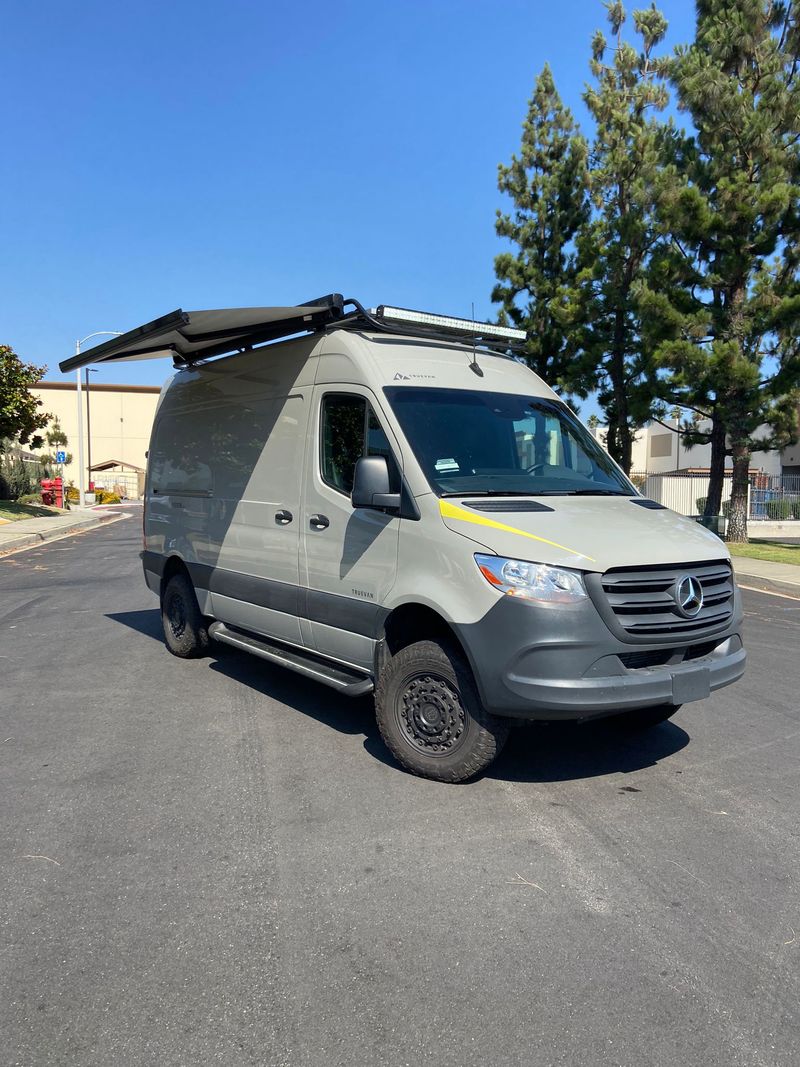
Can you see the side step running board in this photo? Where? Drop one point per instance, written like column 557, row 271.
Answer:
column 348, row 682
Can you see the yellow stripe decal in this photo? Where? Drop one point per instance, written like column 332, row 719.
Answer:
column 452, row 511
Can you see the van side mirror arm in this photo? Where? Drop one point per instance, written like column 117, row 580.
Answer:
column 372, row 489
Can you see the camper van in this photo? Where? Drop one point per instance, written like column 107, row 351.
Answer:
column 391, row 502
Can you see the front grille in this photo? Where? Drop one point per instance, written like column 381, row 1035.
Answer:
column 643, row 598
column 660, row 657
column 634, row 661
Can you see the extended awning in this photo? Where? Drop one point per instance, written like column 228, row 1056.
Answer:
column 186, row 336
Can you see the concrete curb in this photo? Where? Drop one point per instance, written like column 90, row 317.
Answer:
column 767, row 585
column 781, row 580
column 38, row 537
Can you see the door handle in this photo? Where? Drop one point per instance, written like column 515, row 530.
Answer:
column 283, row 518
column 319, row 522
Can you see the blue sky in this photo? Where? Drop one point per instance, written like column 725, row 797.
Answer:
column 195, row 155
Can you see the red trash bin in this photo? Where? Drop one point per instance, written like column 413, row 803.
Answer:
column 48, row 490
column 58, row 492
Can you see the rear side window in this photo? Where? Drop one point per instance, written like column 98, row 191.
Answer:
column 350, row 430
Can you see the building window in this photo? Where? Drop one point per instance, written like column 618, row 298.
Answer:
column 661, row 445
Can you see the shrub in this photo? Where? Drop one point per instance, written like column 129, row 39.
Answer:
column 103, row 496
column 73, row 496
column 780, row 510
column 30, row 498
column 724, row 510
column 17, row 478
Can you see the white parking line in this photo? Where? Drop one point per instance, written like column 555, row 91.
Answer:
column 768, row 592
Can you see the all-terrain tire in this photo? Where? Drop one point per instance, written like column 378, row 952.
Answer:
column 645, row 718
column 185, row 632
column 431, row 717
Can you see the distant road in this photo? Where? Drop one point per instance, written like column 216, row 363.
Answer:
column 215, row 862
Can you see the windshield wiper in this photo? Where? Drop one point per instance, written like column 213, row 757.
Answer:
column 489, row 492
column 596, row 492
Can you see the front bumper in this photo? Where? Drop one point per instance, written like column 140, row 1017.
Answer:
column 548, row 661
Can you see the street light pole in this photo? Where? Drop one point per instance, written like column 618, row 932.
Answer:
column 81, row 471
column 87, row 371
column 81, row 468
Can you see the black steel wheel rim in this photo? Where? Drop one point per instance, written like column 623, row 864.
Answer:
column 430, row 715
column 176, row 615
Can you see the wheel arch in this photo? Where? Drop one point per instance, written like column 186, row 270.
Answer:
column 173, row 565
column 413, row 621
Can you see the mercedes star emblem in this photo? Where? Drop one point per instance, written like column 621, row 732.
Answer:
column 689, row 596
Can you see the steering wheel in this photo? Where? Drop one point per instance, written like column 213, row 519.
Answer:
column 535, row 467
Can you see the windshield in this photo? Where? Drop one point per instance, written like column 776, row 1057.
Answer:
column 500, row 444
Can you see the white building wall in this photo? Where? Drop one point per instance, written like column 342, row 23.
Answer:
column 121, row 420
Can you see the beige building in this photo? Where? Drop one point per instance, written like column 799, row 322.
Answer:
column 660, row 449
column 117, row 420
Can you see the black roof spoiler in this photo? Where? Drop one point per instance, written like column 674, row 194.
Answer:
column 187, row 336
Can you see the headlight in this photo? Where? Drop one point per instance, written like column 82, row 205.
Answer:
column 532, row 581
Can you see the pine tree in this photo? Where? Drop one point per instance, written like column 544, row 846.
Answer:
column 56, row 441
column 723, row 300
column 548, row 185
column 614, row 247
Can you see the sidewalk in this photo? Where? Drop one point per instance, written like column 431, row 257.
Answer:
column 771, row 577
column 30, row 532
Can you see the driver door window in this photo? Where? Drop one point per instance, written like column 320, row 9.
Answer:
column 349, row 430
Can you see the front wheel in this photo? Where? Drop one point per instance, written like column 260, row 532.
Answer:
column 431, row 717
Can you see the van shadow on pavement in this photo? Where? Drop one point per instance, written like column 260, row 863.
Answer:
column 536, row 752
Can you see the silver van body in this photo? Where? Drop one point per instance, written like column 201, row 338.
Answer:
column 236, row 448
column 379, row 509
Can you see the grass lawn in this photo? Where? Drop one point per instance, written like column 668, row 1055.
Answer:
column 772, row 551
column 12, row 512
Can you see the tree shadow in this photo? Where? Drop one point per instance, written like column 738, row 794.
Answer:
column 535, row 752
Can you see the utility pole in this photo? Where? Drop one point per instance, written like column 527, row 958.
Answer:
column 88, row 429
column 81, row 468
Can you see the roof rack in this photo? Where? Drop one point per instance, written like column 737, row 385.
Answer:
column 396, row 320
column 190, row 336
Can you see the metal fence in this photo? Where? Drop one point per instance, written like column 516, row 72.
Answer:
column 774, row 497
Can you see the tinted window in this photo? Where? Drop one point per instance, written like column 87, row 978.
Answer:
column 350, row 430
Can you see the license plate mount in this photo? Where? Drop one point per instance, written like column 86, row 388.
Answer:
column 691, row 685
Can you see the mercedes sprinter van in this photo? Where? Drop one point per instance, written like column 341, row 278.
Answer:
column 390, row 501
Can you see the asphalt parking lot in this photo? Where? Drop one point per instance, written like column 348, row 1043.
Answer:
column 216, row 862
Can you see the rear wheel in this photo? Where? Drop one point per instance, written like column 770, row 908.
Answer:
column 645, row 718
column 185, row 633
column 430, row 715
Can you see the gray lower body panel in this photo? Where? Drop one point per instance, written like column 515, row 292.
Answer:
column 562, row 662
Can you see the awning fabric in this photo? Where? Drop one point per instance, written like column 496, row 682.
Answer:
column 186, row 336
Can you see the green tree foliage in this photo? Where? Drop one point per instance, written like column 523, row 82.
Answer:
column 723, row 300
column 20, row 416
column 548, row 184
column 615, row 245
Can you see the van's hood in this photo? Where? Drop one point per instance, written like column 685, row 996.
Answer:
column 589, row 533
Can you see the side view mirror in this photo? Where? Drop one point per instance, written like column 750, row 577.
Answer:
column 371, row 486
